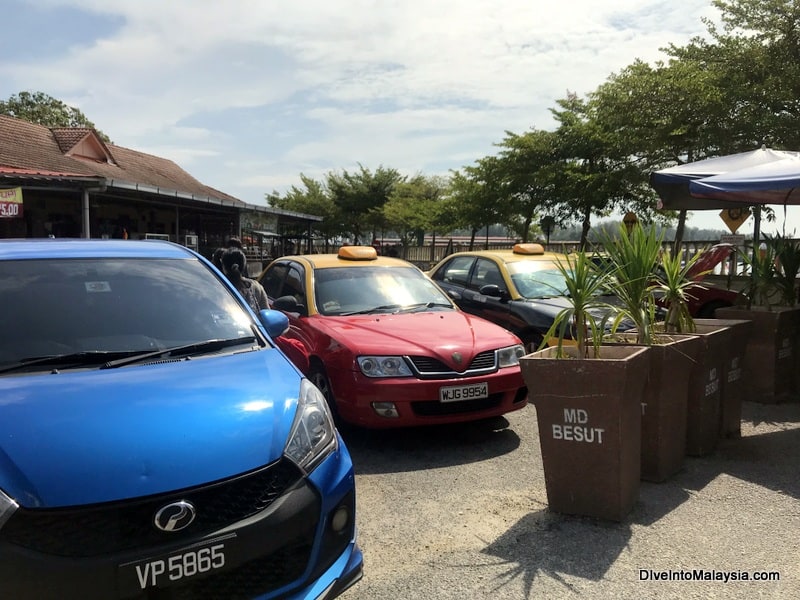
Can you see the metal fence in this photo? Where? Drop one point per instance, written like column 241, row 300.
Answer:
column 427, row 256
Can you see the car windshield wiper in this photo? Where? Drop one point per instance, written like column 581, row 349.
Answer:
column 367, row 311
column 413, row 307
column 194, row 348
column 90, row 357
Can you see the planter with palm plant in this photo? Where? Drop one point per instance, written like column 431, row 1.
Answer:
column 634, row 255
column 770, row 366
column 711, row 401
column 587, row 401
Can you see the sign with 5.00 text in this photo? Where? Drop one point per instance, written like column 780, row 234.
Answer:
column 11, row 203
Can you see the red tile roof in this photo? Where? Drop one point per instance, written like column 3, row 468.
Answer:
column 38, row 172
column 41, row 149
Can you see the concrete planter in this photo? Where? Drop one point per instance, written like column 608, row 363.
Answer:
column 704, row 405
column 769, row 370
column 665, row 402
column 731, row 389
column 589, row 418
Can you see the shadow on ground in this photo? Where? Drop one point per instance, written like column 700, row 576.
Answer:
column 544, row 543
column 412, row 449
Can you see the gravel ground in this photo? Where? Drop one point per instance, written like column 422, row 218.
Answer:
column 461, row 512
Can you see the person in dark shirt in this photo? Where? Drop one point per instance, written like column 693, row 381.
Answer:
column 233, row 266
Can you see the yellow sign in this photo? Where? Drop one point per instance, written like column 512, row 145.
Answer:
column 11, row 203
column 630, row 219
column 734, row 217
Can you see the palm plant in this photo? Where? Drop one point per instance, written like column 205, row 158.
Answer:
column 787, row 267
column 762, row 285
column 585, row 320
column 674, row 286
column 633, row 255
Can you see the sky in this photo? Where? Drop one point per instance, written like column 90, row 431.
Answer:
column 247, row 95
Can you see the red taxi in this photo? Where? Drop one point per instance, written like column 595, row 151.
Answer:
column 387, row 347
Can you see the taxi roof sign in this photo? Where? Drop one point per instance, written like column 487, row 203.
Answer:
column 358, row 253
column 528, row 249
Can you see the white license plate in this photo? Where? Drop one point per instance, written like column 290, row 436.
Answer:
column 456, row 393
column 180, row 565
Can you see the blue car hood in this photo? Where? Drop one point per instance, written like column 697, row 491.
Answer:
column 89, row 436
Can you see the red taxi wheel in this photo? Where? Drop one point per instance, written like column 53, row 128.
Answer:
column 320, row 379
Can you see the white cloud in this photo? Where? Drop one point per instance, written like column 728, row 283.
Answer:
column 247, row 94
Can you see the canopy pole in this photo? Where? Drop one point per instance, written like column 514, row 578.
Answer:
column 680, row 229
column 756, row 229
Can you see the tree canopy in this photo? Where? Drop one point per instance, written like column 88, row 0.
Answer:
column 42, row 109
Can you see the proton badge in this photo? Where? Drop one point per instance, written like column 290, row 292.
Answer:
column 457, row 357
column 175, row 516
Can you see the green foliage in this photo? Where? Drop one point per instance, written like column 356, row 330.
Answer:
column 39, row 108
column 675, row 288
column 633, row 256
column 761, row 286
column 774, row 268
column 480, row 191
column 584, row 321
column 360, row 197
column 787, row 267
column 416, row 205
column 528, row 166
column 773, row 272
column 312, row 199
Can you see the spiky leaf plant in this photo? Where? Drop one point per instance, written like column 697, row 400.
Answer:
column 633, row 256
column 584, row 322
column 674, row 286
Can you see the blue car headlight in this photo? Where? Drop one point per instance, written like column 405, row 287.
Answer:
column 7, row 508
column 509, row 357
column 313, row 436
column 383, row 366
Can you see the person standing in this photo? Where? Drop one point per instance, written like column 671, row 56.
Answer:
column 233, row 266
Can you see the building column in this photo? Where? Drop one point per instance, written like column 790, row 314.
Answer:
column 85, row 229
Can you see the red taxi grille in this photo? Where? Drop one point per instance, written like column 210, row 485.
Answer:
column 427, row 367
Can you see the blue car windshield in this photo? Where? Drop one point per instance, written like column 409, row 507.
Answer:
column 63, row 306
column 350, row 290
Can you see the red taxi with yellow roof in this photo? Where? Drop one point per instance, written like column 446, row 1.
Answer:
column 387, row 347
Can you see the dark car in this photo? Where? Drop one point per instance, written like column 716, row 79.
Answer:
column 154, row 441
column 523, row 290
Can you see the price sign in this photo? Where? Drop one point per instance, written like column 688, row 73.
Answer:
column 11, row 203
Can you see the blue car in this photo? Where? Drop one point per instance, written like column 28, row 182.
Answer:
column 154, row 441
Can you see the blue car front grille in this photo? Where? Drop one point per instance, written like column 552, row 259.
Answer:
column 107, row 528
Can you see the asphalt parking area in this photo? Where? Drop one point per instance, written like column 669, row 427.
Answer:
column 461, row 512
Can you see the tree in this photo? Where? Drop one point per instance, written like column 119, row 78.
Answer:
column 360, row 197
column 415, row 206
column 756, row 54
column 594, row 174
column 312, row 199
column 660, row 116
column 479, row 193
column 528, row 165
column 45, row 110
